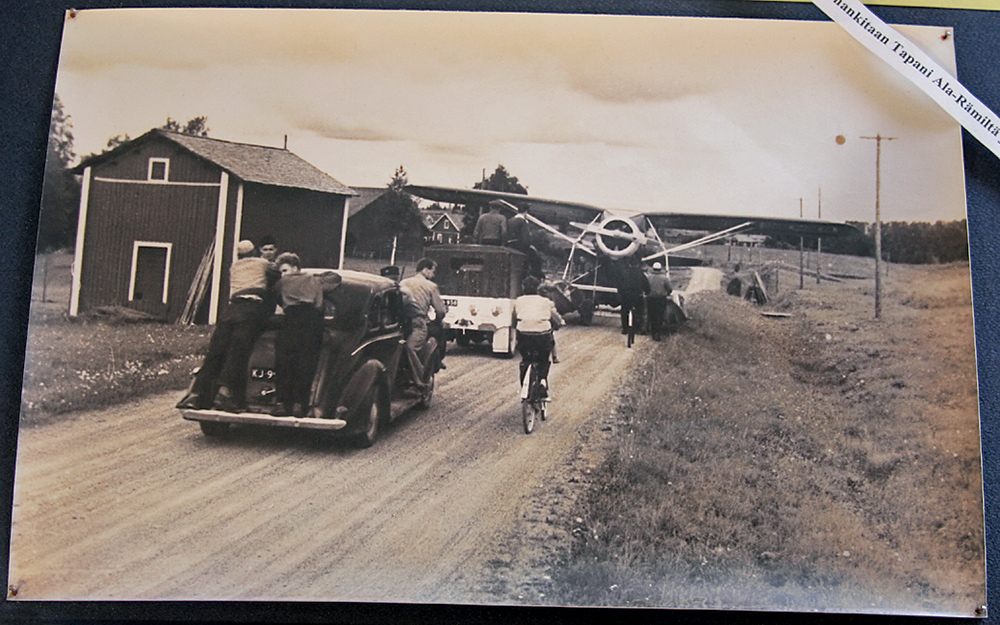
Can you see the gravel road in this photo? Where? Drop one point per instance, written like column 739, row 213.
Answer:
column 133, row 502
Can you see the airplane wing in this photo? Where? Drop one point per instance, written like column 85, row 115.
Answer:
column 550, row 211
column 563, row 213
column 774, row 226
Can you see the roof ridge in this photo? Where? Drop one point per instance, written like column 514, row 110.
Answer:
column 230, row 142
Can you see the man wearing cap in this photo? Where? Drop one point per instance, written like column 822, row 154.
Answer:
column 221, row 381
column 491, row 227
column 656, row 302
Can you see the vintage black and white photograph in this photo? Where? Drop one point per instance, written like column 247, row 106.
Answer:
column 499, row 309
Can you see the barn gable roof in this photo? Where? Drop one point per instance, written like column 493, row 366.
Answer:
column 251, row 163
column 366, row 195
column 433, row 219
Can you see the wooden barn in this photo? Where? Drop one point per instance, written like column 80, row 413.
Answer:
column 160, row 217
column 366, row 233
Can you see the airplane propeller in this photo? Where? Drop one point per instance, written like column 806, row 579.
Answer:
column 616, row 237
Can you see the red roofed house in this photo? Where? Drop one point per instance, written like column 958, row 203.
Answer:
column 160, row 217
column 444, row 227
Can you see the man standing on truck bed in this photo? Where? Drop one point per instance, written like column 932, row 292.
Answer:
column 491, row 227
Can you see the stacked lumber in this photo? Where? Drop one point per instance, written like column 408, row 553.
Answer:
column 199, row 287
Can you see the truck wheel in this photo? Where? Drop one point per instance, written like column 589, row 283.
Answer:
column 373, row 420
column 213, row 429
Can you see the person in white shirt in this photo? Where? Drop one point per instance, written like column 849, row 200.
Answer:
column 536, row 318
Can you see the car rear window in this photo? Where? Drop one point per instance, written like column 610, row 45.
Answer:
column 349, row 302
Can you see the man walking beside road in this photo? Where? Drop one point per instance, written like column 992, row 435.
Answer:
column 632, row 286
column 656, row 302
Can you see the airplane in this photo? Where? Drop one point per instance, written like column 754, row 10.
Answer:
column 608, row 235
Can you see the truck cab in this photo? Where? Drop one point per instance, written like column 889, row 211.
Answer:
column 479, row 283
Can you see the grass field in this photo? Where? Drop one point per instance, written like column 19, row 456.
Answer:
column 94, row 361
column 827, row 461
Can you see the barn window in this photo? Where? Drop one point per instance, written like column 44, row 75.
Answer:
column 149, row 279
column 446, row 227
column 159, row 169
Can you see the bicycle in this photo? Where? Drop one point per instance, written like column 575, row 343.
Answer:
column 534, row 397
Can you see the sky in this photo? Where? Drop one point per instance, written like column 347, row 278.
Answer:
column 697, row 115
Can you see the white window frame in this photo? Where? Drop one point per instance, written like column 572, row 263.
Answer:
column 135, row 257
column 166, row 169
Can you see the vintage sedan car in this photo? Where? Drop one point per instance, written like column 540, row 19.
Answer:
column 366, row 376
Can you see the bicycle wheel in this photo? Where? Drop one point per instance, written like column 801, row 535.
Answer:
column 528, row 414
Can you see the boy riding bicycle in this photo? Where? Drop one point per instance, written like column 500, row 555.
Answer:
column 536, row 318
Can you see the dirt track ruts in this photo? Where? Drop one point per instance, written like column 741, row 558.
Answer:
column 132, row 502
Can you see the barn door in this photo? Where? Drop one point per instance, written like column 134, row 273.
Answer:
column 150, row 277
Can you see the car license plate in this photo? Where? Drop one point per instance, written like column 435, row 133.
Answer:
column 261, row 373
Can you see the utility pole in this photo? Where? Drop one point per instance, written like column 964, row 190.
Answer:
column 878, row 220
column 819, row 240
column 802, row 275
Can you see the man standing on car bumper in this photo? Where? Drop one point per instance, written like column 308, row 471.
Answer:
column 424, row 295
column 222, row 377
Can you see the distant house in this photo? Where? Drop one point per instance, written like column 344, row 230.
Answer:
column 366, row 234
column 749, row 240
column 443, row 227
column 160, row 217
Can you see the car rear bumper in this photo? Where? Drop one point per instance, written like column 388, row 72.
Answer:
column 256, row 418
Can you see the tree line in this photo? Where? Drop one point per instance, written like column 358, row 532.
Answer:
column 913, row 243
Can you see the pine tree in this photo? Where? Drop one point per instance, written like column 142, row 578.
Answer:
column 60, row 190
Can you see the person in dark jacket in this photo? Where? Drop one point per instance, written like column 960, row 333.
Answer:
column 656, row 303
column 518, row 233
column 632, row 287
column 297, row 345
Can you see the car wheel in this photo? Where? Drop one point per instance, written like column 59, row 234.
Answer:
column 373, row 420
column 213, row 429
